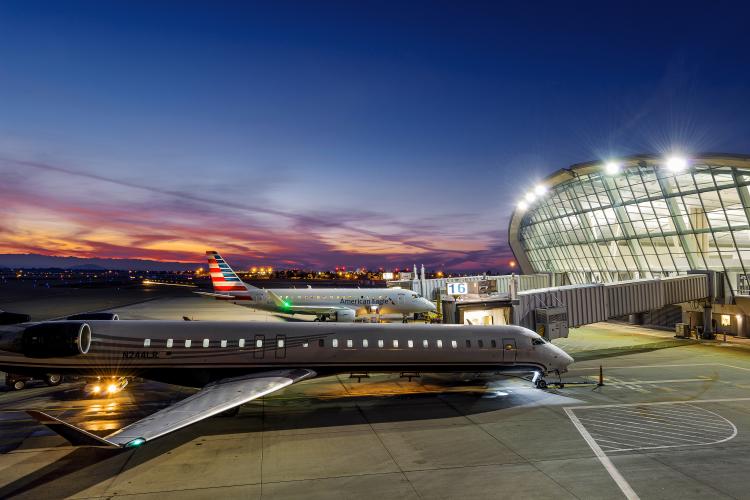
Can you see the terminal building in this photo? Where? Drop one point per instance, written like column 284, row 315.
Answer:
column 645, row 217
column 653, row 240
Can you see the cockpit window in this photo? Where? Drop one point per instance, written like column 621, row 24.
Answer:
column 539, row 341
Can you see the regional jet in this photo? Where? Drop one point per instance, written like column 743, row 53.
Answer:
column 336, row 304
column 236, row 362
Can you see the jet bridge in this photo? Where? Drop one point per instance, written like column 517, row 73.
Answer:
column 551, row 311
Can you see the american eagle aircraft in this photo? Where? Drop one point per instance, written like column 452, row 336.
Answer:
column 336, row 304
column 236, row 362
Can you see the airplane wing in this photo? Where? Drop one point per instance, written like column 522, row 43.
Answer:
column 209, row 401
column 215, row 295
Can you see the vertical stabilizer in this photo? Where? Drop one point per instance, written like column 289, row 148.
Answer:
column 222, row 277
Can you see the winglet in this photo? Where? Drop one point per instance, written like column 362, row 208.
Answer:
column 75, row 435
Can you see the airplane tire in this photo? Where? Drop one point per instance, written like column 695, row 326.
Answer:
column 18, row 385
column 53, row 379
column 541, row 384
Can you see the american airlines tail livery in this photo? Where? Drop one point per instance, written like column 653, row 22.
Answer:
column 335, row 304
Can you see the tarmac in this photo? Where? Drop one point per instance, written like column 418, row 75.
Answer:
column 671, row 421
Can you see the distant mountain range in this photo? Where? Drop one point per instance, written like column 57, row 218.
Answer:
column 31, row 261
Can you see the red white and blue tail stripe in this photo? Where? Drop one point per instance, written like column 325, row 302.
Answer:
column 222, row 277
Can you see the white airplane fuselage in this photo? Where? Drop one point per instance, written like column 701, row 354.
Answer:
column 362, row 301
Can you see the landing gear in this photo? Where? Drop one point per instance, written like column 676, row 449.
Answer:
column 405, row 319
column 541, row 384
column 52, row 379
column 18, row 385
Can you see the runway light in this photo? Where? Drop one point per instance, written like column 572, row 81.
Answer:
column 612, row 168
column 111, row 388
column 540, row 190
column 676, row 163
column 522, row 205
column 530, row 196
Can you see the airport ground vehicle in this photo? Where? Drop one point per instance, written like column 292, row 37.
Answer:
column 17, row 381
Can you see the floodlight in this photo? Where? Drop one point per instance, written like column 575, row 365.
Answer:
column 540, row 189
column 530, row 196
column 676, row 163
column 522, row 205
column 612, row 168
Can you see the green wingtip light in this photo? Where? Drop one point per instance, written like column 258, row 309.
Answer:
column 135, row 443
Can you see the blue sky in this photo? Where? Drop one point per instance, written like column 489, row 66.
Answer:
column 340, row 133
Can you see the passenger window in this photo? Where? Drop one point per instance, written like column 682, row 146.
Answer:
column 335, row 342
column 425, row 344
column 169, row 342
column 454, row 344
column 280, row 343
column 395, row 343
column 205, row 342
column 480, row 343
column 321, row 343
column 305, row 344
column 223, row 343
column 258, row 343
column 349, row 343
column 493, row 343
column 440, row 344
column 468, row 343
column 410, row 343
column 241, row 343
column 188, row 342
column 364, row 342
column 146, row 342
column 380, row 343
column 508, row 347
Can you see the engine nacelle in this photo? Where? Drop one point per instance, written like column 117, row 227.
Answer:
column 345, row 316
column 56, row 339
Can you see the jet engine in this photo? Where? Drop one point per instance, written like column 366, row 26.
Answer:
column 56, row 339
column 346, row 316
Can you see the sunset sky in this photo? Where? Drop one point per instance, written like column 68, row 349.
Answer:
column 339, row 133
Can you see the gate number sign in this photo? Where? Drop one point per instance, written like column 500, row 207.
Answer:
column 457, row 289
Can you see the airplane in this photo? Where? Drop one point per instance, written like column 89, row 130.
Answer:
column 234, row 362
column 337, row 304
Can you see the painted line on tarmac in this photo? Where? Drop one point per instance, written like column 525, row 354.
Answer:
column 624, row 486
column 648, row 427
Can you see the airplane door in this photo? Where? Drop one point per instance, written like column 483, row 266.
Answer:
column 509, row 350
column 258, row 347
column 280, row 346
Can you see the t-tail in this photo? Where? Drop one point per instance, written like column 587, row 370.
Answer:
column 223, row 278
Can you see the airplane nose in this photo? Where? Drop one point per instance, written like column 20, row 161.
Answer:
column 431, row 306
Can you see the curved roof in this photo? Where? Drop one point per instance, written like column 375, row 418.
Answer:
column 565, row 174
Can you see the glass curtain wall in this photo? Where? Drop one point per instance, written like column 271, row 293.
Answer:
column 643, row 222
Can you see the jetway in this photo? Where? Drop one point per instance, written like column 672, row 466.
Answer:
column 552, row 311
